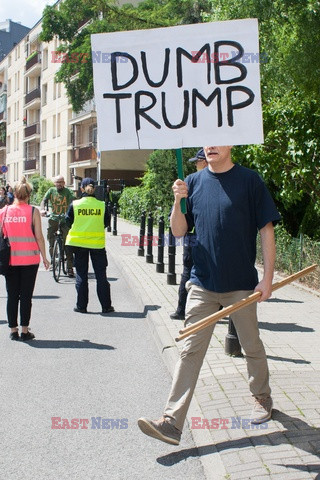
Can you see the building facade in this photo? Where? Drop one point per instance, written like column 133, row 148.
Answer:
column 10, row 34
column 39, row 131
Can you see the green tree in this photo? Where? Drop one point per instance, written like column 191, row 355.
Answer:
column 155, row 192
column 40, row 186
column 289, row 158
column 68, row 24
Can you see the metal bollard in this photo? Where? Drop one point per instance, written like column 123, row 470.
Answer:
column 109, row 207
column 149, row 256
column 142, row 234
column 232, row 345
column 114, row 228
column 171, row 275
column 160, row 264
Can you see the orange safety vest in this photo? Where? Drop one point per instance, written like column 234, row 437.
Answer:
column 18, row 228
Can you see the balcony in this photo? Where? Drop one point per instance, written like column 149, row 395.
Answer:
column 31, row 163
column 88, row 112
column 2, row 144
column 32, row 130
column 83, row 154
column 3, row 88
column 3, row 116
column 33, row 64
column 34, row 96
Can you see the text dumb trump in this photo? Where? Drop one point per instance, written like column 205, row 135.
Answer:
column 165, row 96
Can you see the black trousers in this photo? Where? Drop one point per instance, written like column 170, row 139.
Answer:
column 20, row 281
column 99, row 263
column 187, row 266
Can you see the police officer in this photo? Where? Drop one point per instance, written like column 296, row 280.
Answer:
column 88, row 218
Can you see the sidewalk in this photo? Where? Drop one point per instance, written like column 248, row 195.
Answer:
column 288, row 447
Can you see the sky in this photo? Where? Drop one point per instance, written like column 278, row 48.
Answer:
column 27, row 12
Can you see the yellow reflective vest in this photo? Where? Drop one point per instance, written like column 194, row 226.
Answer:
column 87, row 230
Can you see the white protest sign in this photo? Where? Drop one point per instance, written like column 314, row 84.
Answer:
column 178, row 86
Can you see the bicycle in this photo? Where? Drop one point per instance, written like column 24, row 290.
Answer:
column 59, row 259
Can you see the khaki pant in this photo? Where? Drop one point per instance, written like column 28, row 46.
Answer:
column 202, row 303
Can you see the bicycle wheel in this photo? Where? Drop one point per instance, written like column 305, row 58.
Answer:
column 64, row 261
column 56, row 260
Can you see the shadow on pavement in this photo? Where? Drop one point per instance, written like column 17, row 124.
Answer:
column 3, row 322
column 45, row 297
column 284, row 359
column 282, row 300
column 297, row 433
column 147, row 308
column 284, row 327
column 68, row 344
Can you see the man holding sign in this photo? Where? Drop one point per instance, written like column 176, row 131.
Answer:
column 227, row 204
column 179, row 87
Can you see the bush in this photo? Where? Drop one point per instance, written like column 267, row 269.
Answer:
column 40, row 186
column 294, row 254
column 155, row 192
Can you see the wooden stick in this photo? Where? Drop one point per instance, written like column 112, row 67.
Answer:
column 211, row 319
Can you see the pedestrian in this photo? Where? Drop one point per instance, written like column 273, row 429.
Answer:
column 22, row 225
column 227, row 204
column 60, row 198
column 88, row 219
column 3, row 197
column 10, row 195
column 200, row 163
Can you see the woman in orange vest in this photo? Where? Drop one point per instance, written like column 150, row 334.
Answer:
column 22, row 225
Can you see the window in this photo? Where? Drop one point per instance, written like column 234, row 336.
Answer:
column 54, row 126
column 43, row 166
column 58, row 162
column 9, row 116
column 45, row 59
column 9, row 87
column 93, row 135
column 53, row 165
column 44, row 93
column 58, row 124
column 44, row 131
column 8, row 144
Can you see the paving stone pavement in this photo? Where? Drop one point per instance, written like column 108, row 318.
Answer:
column 288, row 446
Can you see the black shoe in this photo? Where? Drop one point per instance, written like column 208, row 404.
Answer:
column 80, row 310
column 70, row 273
column 25, row 337
column 108, row 310
column 177, row 316
column 14, row 336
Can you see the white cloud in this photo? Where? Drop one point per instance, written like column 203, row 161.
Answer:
column 27, row 12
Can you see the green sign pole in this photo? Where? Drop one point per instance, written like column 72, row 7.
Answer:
column 181, row 176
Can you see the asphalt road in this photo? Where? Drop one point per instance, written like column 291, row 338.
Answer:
column 83, row 367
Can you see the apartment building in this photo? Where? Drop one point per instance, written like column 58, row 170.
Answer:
column 10, row 34
column 39, row 131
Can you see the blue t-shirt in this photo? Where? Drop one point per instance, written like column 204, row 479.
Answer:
column 227, row 210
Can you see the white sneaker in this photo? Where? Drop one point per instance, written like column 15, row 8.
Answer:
column 262, row 410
